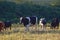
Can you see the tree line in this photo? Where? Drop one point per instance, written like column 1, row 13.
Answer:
column 13, row 11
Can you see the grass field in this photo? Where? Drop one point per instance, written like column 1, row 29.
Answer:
column 18, row 33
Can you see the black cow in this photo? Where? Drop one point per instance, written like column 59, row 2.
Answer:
column 55, row 23
column 7, row 25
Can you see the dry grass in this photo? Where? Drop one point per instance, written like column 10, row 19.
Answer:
column 17, row 33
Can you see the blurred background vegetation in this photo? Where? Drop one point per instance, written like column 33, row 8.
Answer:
column 13, row 9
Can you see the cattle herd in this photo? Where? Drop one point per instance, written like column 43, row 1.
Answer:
column 28, row 21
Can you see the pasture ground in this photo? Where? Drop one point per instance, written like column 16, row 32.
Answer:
column 18, row 33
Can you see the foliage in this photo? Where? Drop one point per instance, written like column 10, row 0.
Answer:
column 12, row 11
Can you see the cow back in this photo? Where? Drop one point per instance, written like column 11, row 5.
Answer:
column 33, row 20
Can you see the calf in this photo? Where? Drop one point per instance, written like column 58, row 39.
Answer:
column 42, row 23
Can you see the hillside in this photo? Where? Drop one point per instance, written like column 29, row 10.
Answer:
column 40, row 2
column 12, row 11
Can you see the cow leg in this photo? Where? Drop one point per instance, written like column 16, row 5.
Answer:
column 5, row 28
column 0, row 30
column 39, row 26
column 35, row 27
column 43, row 27
column 57, row 27
column 27, row 27
column 51, row 27
column 10, row 27
column 54, row 27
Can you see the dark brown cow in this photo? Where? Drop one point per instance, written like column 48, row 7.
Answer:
column 1, row 25
column 5, row 25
